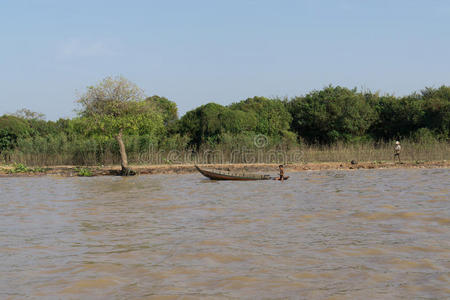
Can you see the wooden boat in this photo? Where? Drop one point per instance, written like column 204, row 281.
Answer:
column 225, row 175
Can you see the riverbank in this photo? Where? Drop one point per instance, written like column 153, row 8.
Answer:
column 69, row 171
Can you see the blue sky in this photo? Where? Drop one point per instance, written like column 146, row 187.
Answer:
column 195, row 52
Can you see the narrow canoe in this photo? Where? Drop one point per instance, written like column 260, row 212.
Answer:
column 225, row 175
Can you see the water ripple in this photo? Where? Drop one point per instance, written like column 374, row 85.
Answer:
column 343, row 234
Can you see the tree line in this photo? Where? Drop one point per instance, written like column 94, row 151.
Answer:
column 116, row 111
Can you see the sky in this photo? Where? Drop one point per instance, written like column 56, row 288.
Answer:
column 194, row 52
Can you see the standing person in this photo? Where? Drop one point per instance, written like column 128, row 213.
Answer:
column 281, row 172
column 397, row 151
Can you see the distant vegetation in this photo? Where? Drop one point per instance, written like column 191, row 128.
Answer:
column 151, row 132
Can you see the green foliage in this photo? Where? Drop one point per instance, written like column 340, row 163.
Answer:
column 207, row 123
column 331, row 115
column 403, row 117
column 21, row 168
column 397, row 117
column 41, row 127
column 272, row 116
column 111, row 97
column 437, row 110
column 423, row 136
column 11, row 129
column 174, row 141
column 7, row 140
column 84, row 172
column 27, row 114
column 237, row 121
column 202, row 123
column 167, row 108
column 137, row 119
column 117, row 105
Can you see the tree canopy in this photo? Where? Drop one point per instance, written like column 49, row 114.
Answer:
column 11, row 129
column 272, row 115
column 116, row 106
column 167, row 108
column 331, row 114
column 116, row 111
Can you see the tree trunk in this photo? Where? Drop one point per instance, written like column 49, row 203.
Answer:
column 123, row 157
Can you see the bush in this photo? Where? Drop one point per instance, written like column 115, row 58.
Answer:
column 11, row 129
column 84, row 172
column 332, row 114
column 423, row 136
column 271, row 115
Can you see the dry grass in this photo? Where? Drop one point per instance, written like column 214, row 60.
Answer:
column 438, row 151
column 364, row 152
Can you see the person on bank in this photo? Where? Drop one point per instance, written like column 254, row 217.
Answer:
column 397, row 151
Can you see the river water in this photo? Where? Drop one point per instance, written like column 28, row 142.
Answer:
column 365, row 234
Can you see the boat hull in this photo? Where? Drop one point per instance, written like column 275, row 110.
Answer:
column 223, row 175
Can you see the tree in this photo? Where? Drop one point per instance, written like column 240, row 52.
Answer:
column 25, row 113
column 273, row 118
column 11, row 130
column 208, row 122
column 437, row 110
column 331, row 114
column 166, row 107
column 397, row 117
column 202, row 123
column 116, row 106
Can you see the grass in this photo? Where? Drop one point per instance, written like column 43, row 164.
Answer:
column 84, row 172
column 21, row 168
column 96, row 156
column 382, row 152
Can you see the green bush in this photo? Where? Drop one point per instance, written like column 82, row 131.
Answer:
column 84, row 172
column 423, row 136
column 272, row 116
column 12, row 129
column 332, row 114
column 21, row 168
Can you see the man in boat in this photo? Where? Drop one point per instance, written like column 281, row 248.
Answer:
column 281, row 172
column 397, row 151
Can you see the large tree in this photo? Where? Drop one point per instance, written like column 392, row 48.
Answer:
column 331, row 114
column 208, row 122
column 11, row 129
column 273, row 118
column 167, row 108
column 116, row 106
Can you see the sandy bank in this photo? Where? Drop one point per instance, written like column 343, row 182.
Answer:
column 6, row 171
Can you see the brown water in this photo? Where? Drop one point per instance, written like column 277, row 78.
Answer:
column 374, row 234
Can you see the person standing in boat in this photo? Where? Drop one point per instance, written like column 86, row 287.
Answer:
column 281, row 172
column 397, row 151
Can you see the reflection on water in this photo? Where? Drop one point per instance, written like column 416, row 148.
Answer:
column 340, row 234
